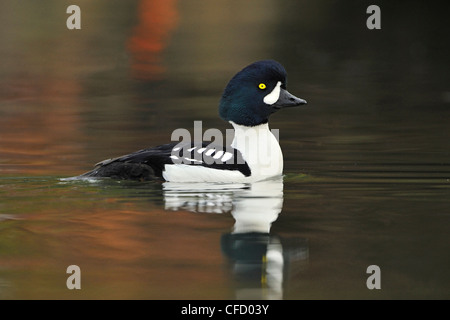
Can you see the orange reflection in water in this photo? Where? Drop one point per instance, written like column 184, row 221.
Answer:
column 39, row 125
column 157, row 18
column 41, row 91
column 124, row 250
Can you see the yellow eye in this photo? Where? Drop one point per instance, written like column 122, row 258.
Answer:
column 262, row 86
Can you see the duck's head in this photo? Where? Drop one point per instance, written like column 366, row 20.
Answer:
column 256, row 92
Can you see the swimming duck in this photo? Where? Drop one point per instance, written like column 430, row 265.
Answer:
column 251, row 96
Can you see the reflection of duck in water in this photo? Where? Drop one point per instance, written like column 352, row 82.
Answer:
column 201, row 197
column 256, row 256
column 259, row 260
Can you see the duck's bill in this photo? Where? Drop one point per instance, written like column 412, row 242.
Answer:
column 287, row 99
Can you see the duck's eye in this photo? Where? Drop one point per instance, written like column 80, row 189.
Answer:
column 262, row 86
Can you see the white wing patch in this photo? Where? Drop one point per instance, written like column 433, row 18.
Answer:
column 219, row 154
column 206, row 163
column 227, row 156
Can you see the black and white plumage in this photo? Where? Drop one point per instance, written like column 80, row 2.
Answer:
column 148, row 164
column 251, row 96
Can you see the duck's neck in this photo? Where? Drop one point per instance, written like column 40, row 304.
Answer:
column 260, row 150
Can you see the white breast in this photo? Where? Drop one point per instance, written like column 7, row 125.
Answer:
column 260, row 150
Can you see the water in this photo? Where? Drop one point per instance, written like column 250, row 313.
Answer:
column 367, row 169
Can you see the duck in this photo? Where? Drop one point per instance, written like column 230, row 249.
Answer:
column 249, row 99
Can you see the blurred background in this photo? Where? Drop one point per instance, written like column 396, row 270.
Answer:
column 367, row 161
column 141, row 68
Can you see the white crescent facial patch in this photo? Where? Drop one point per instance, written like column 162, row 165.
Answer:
column 272, row 97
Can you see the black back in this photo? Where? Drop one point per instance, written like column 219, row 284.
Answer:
column 148, row 164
